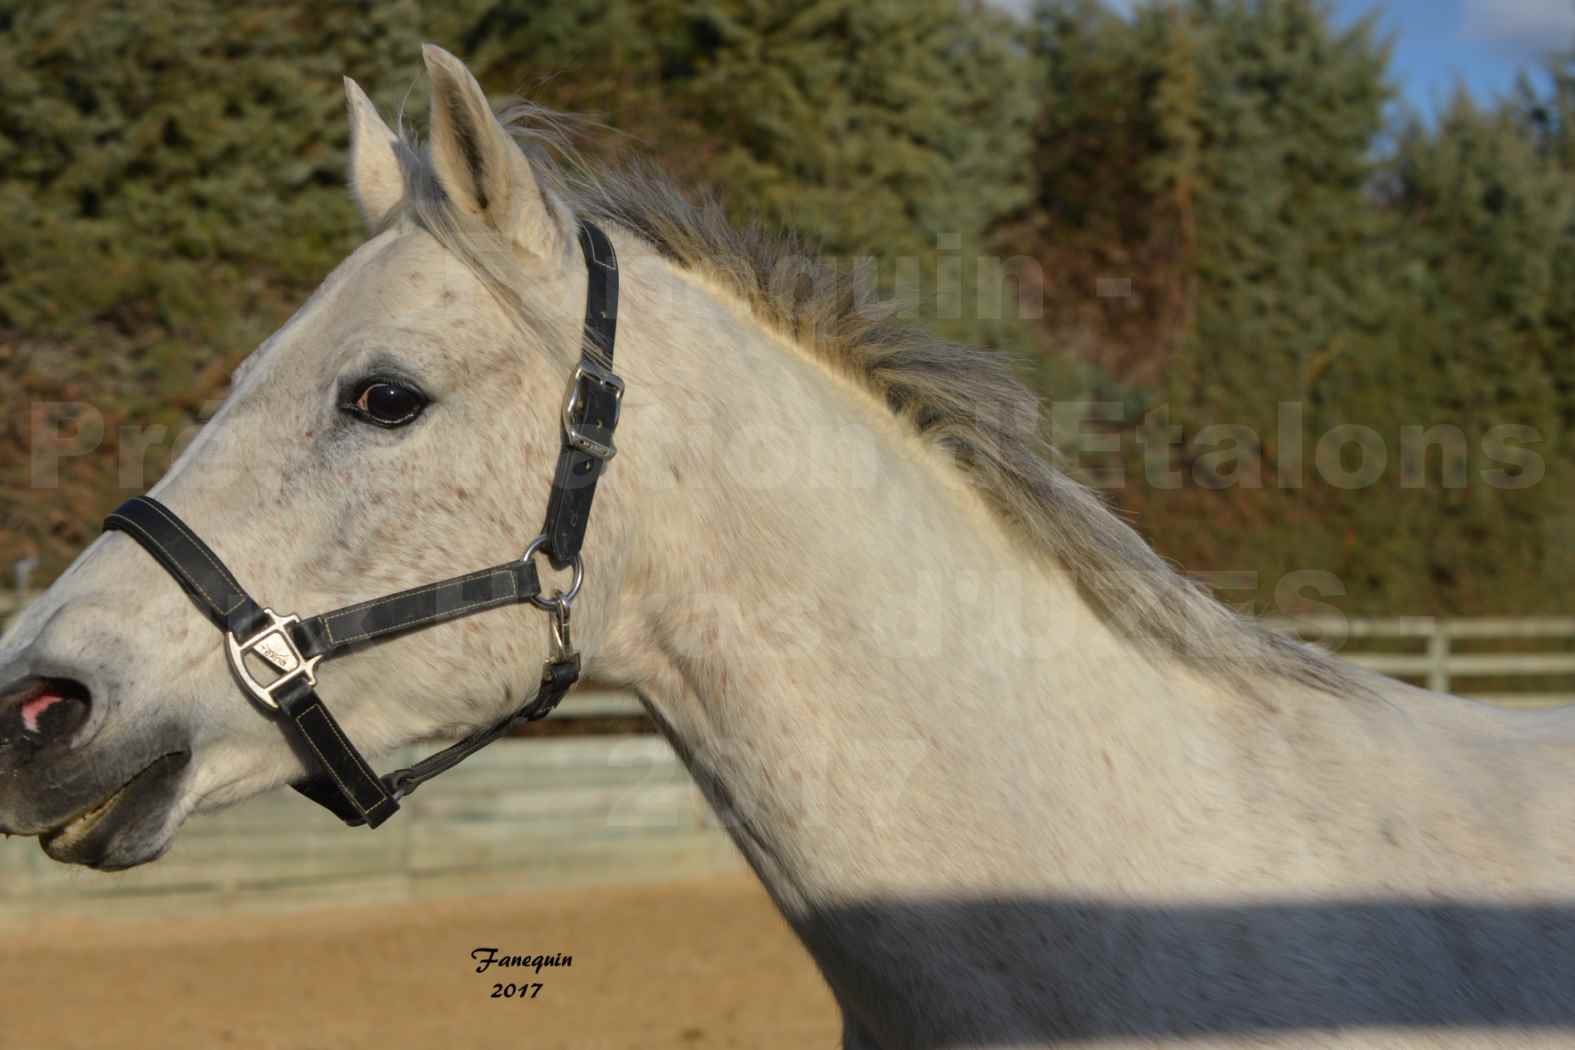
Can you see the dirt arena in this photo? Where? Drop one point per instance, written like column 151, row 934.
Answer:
column 694, row 965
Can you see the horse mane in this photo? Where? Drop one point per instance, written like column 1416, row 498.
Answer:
column 964, row 400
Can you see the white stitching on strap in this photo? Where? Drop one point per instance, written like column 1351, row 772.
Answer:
column 180, row 526
column 142, row 531
column 344, row 789
column 327, row 720
column 511, row 594
column 373, row 603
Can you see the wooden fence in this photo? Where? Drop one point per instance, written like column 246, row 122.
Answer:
column 622, row 808
column 523, row 813
column 1513, row 662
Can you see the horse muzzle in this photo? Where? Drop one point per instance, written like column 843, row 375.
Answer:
column 126, row 828
column 85, row 804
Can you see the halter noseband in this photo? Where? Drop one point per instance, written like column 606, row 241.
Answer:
column 292, row 648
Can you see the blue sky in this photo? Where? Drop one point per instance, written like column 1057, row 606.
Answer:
column 1439, row 43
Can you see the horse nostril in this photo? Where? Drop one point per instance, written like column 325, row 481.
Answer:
column 42, row 710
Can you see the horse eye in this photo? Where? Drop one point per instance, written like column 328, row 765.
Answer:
column 388, row 404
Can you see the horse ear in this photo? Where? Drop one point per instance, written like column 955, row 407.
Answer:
column 479, row 165
column 376, row 182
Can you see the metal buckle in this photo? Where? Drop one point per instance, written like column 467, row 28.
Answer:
column 278, row 650
column 575, row 431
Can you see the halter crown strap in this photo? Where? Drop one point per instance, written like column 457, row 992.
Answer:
column 291, row 648
column 590, row 412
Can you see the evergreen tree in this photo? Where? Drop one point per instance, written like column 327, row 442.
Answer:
column 171, row 183
column 152, row 156
column 1472, row 340
column 889, row 129
column 171, row 174
column 1225, row 155
column 1111, row 215
column 1222, row 222
column 1287, row 112
column 1549, row 119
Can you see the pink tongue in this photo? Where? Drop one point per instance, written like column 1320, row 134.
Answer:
column 36, row 707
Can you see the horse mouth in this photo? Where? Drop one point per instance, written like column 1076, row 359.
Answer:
column 90, row 837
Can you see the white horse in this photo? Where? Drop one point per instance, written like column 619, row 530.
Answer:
column 1013, row 782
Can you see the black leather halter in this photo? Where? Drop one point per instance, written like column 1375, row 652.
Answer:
column 291, row 648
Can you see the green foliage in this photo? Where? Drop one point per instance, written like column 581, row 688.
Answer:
column 1481, row 326
column 1203, row 193
column 1286, row 113
column 888, row 128
column 856, row 121
column 1224, row 154
column 171, row 173
column 155, row 156
column 884, row 128
column 1115, row 151
column 170, row 182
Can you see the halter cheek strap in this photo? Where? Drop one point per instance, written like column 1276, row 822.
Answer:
column 286, row 650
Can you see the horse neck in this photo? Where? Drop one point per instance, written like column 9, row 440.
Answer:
column 846, row 645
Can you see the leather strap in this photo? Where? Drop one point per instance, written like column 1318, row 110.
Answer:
column 597, row 395
column 556, row 680
column 193, row 564
column 360, row 795
column 559, row 677
column 601, row 294
column 357, row 625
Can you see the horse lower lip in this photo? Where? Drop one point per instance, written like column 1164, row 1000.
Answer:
column 82, row 823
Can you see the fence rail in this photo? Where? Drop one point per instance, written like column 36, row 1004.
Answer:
column 523, row 813
column 1436, row 659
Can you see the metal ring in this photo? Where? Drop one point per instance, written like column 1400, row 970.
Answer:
column 559, row 599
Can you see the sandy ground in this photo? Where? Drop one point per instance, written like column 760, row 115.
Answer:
column 694, row 965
